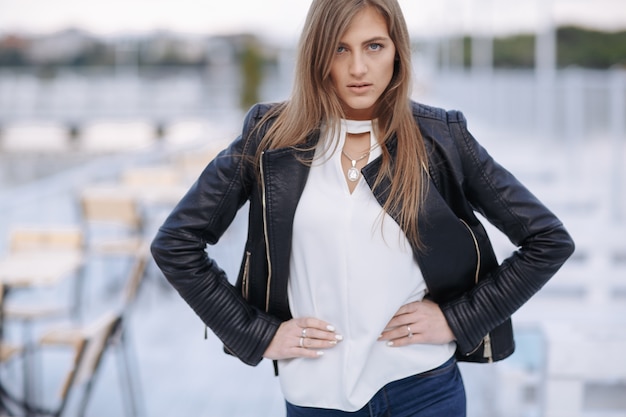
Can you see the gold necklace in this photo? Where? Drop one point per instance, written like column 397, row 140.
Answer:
column 353, row 172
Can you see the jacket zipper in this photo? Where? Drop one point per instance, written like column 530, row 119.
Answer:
column 246, row 272
column 486, row 342
column 267, row 246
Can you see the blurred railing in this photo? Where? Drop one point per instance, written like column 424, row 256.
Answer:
column 569, row 104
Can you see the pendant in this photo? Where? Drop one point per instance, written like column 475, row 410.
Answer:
column 353, row 172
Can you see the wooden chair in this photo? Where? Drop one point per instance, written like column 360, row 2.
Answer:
column 159, row 188
column 152, row 175
column 53, row 241
column 112, row 216
column 8, row 352
column 192, row 163
column 129, row 380
column 44, row 245
column 30, row 238
column 89, row 343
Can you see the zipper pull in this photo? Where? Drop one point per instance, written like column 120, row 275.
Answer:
column 487, row 349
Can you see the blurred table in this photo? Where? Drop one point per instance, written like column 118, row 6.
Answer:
column 33, row 268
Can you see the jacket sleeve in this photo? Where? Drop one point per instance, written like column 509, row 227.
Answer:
column 200, row 218
column 542, row 241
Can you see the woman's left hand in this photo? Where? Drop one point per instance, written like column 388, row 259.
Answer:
column 418, row 322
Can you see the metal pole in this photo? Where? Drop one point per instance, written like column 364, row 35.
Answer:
column 482, row 37
column 618, row 136
column 545, row 69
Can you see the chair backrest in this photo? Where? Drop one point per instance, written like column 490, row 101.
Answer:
column 8, row 351
column 192, row 163
column 110, row 205
column 157, row 175
column 36, row 238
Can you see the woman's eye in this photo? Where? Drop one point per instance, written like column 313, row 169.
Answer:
column 341, row 49
column 375, row 46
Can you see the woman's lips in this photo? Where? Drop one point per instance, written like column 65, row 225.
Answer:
column 359, row 88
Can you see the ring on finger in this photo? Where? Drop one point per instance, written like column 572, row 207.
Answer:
column 304, row 332
column 302, row 342
column 410, row 334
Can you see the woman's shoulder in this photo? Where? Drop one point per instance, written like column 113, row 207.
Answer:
column 425, row 113
column 262, row 110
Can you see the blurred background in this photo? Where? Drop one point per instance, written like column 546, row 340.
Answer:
column 109, row 111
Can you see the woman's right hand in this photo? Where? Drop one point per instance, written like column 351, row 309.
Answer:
column 304, row 337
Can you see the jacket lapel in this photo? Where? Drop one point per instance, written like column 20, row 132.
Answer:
column 447, row 240
column 448, row 253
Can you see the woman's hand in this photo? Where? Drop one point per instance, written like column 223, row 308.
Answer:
column 302, row 338
column 418, row 322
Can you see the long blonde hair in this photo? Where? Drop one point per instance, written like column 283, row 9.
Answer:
column 314, row 102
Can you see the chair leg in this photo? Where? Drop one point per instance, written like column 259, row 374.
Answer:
column 77, row 296
column 87, row 391
column 85, row 400
column 131, row 390
column 29, row 364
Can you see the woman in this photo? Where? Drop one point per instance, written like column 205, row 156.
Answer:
column 366, row 274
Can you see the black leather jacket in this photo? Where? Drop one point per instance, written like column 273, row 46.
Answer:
column 463, row 179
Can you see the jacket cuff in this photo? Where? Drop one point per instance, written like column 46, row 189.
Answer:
column 266, row 327
column 466, row 340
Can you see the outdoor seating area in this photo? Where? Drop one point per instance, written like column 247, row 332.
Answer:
column 67, row 290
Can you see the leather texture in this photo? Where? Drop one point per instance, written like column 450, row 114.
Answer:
column 464, row 179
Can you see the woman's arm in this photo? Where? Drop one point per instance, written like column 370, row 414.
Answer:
column 201, row 218
column 542, row 241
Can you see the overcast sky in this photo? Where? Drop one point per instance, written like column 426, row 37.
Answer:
column 283, row 18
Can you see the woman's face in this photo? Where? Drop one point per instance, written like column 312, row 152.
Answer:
column 363, row 64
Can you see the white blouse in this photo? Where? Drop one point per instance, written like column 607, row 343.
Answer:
column 351, row 266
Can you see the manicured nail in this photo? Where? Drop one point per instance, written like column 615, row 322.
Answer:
column 330, row 328
column 339, row 337
column 390, row 343
column 332, row 342
column 320, row 353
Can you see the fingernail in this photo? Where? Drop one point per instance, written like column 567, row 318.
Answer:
column 338, row 337
column 320, row 353
column 332, row 342
column 390, row 343
column 330, row 328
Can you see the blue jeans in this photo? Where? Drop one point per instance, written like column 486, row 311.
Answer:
column 435, row 393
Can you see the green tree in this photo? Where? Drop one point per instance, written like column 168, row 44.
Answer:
column 590, row 48
column 514, row 51
column 251, row 66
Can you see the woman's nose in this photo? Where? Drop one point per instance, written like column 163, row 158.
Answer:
column 358, row 66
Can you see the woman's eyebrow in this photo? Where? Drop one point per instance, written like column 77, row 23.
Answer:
column 368, row 41
column 376, row 39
